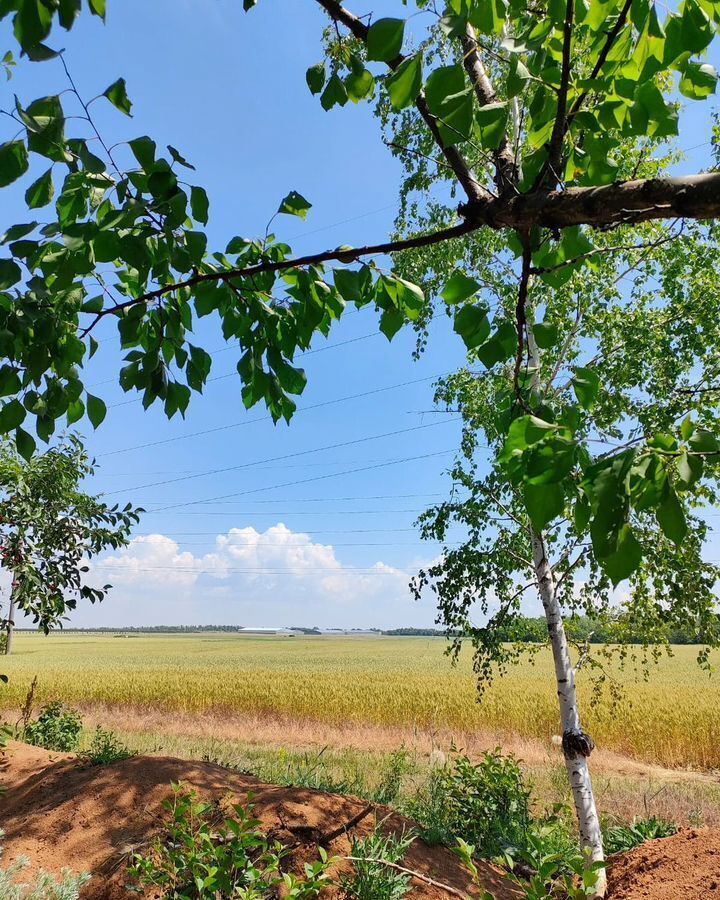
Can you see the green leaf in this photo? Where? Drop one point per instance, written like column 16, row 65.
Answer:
column 295, row 205
column 384, row 40
column 698, row 80
column 25, row 444
column 96, row 410
column 199, row 205
column 524, row 432
column 10, row 273
column 671, row 518
column 626, row 557
column 703, row 441
column 450, row 100
column 143, row 149
column 335, row 93
column 360, row 84
column 40, row 192
column 492, row 124
column 118, row 96
column 544, row 502
column 13, row 162
column 12, row 415
column 391, row 321
column 315, row 77
column 459, row 288
column 471, row 323
column 405, row 83
column 32, row 23
column 518, row 77
column 689, row 469
column 98, row 7
column 586, row 384
column 546, row 335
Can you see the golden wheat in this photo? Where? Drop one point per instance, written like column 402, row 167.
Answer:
column 672, row 719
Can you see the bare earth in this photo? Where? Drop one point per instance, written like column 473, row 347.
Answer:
column 59, row 813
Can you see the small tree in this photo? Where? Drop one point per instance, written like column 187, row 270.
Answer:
column 49, row 529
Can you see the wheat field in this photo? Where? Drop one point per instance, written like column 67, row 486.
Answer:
column 672, row 719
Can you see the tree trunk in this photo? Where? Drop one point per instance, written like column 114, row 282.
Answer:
column 10, row 626
column 576, row 744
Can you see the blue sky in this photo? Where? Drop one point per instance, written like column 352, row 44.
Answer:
column 302, row 535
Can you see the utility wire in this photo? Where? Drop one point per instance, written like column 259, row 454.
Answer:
column 225, row 469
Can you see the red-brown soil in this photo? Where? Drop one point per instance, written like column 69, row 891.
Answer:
column 60, row 813
column 685, row 866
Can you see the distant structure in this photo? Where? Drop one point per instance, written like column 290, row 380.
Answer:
column 282, row 631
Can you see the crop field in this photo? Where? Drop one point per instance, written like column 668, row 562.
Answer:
column 672, row 719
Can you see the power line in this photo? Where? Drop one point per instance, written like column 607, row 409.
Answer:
column 251, row 512
column 393, row 462
column 225, row 469
column 267, row 418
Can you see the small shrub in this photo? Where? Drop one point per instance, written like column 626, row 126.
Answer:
column 208, row 853
column 106, row 748
column 486, row 804
column 56, row 728
column 43, row 887
column 620, row 838
column 373, row 879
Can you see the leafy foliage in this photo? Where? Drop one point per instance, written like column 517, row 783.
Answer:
column 50, row 528
column 56, row 728
column 623, row 837
column 208, row 851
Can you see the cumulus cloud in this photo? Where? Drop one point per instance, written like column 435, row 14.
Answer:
column 276, row 577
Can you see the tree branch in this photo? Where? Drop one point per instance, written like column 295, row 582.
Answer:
column 555, row 149
column 344, row 255
column 472, row 187
column 521, row 312
column 506, row 174
column 623, row 202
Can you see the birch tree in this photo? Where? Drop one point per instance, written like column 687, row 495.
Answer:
column 546, row 120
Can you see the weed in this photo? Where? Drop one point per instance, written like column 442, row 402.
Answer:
column 373, row 878
column 388, row 790
column 620, row 838
column 45, row 887
column 106, row 748
column 56, row 728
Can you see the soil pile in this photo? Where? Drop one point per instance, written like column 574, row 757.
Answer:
column 59, row 813
column 685, row 865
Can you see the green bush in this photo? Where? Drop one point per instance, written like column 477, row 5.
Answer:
column 487, row 804
column 373, row 879
column 207, row 853
column 106, row 748
column 56, row 728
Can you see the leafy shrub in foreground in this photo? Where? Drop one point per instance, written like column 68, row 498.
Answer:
column 207, row 853
column 56, row 728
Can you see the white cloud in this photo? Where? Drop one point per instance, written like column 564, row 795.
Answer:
column 273, row 578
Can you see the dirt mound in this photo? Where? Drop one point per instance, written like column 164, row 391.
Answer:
column 685, row 865
column 59, row 813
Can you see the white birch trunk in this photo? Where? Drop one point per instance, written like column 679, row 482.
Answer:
column 10, row 626
column 576, row 745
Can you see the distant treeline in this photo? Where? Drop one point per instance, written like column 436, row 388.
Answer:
column 143, row 629
column 528, row 629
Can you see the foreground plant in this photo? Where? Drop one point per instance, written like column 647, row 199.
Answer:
column 206, row 852
column 56, row 728
column 13, row 885
column 549, row 118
